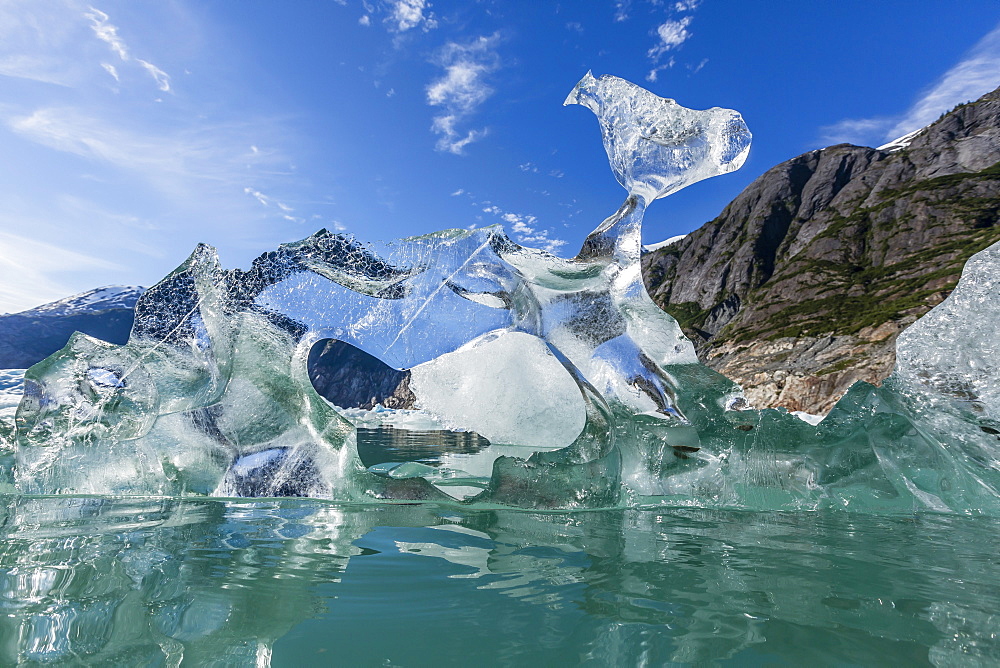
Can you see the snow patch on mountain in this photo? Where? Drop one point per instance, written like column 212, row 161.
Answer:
column 98, row 299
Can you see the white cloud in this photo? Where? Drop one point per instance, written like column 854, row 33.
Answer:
column 975, row 75
column 856, row 131
column 162, row 78
column 36, row 68
column 365, row 20
column 672, row 34
column 258, row 195
column 686, row 5
column 265, row 200
column 34, row 37
column 407, row 14
column 109, row 179
column 67, row 130
column 108, row 33
column 461, row 90
column 458, row 192
column 621, row 10
column 654, row 73
column 177, row 162
column 110, row 69
column 28, row 266
column 524, row 228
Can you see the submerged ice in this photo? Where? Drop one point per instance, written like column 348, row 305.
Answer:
column 580, row 391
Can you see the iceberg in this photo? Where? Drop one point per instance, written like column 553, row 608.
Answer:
column 581, row 392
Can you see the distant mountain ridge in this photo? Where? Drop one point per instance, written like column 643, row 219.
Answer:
column 98, row 299
column 31, row 336
column 801, row 285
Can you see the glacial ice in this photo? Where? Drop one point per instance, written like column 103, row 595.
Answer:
column 587, row 394
column 655, row 146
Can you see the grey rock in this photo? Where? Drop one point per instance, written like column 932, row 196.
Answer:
column 814, row 269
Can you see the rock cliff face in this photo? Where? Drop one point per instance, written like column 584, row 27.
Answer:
column 800, row 287
column 351, row 378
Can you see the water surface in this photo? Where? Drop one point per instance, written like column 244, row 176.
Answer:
column 305, row 582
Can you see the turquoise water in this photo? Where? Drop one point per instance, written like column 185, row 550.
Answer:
column 100, row 581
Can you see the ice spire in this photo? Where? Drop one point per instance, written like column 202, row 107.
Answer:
column 656, row 146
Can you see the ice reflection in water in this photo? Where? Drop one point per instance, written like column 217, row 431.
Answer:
column 293, row 582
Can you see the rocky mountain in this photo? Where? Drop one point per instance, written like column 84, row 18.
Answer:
column 351, row 378
column 30, row 336
column 801, row 285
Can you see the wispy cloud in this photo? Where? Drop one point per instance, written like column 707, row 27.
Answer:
column 408, row 14
column 524, row 228
column 285, row 210
column 33, row 37
column 670, row 35
column 622, row 8
column 975, row 75
column 36, row 68
column 112, row 70
column 29, row 270
column 112, row 183
column 461, row 90
column 526, row 231
column 686, row 5
column 162, row 78
column 107, row 32
column 860, row 131
column 168, row 161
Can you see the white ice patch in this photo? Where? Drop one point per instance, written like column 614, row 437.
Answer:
column 507, row 387
column 811, row 418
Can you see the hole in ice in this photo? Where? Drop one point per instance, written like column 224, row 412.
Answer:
column 270, row 473
column 348, row 377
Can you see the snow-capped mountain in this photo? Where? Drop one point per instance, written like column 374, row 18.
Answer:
column 31, row 336
column 98, row 299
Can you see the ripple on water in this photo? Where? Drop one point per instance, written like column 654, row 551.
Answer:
column 112, row 580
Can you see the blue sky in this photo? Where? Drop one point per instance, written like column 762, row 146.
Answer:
column 132, row 130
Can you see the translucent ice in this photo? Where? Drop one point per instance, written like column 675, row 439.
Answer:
column 655, row 146
column 572, row 388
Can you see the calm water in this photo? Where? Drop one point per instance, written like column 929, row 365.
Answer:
column 302, row 582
